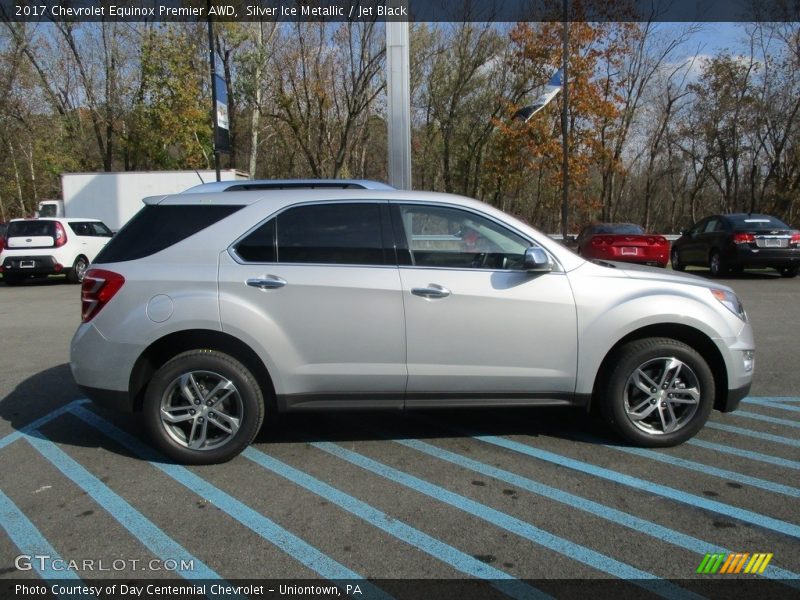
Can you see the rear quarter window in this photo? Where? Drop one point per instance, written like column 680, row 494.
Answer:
column 155, row 228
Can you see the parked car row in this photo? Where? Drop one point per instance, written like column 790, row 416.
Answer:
column 734, row 242
column 723, row 243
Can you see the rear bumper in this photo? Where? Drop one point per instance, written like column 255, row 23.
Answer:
column 111, row 399
column 32, row 265
column 644, row 256
column 766, row 257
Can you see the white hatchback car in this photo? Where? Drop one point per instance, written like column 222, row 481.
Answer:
column 209, row 310
column 37, row 247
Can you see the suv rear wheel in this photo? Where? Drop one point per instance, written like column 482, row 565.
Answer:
column 203, row 407
column 659, row 393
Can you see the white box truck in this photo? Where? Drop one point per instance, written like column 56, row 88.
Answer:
column 115, row 197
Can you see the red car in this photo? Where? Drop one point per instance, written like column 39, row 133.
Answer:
column 623, row 242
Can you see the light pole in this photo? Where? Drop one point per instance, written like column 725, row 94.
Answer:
column 565, row 129
column 213, row 65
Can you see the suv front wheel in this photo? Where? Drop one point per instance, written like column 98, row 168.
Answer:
column 203, row 407
column 660, row 392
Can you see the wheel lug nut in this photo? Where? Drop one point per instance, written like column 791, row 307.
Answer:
column 197, row 402
column 653, row 401
column 208, row 403
column 193, row 411
column 211, row 415
column 654, row 390
column 663, row 405
column 200, row 420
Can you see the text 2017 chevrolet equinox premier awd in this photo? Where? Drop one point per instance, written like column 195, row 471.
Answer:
column 209, row 310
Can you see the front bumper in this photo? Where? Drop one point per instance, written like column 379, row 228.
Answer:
column 731, row 402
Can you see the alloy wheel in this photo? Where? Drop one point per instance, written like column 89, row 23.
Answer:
column 201, row 410
column 662, row 395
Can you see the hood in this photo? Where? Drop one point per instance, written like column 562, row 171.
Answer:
column 646, row 273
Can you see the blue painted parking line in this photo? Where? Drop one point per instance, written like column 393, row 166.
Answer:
column 766, row 418
column 446, row 553
column 301, row 551
column 740, row 514
column 149, row 534
column 31, row 542
column 619, row 517
column 691, row 465
column 572, row 550
column 772, row 404
column 757, row 456
column 780, row 399
column 769, row 437
column 40, row 422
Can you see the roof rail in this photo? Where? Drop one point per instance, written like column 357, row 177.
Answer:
column 242, row 185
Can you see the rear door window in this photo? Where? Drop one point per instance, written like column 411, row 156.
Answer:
column 337, row 233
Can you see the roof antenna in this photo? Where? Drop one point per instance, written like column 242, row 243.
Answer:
column 200, row 177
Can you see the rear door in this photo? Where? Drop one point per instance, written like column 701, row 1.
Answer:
column 479, row 327
column 317, row 287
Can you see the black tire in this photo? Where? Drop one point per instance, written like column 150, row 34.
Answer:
column 78, row 270
column 788, row 272
column 668, row 416
column 716, row 264
column 676, row 262
column 209, row 427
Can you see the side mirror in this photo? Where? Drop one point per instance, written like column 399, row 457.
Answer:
column 537, row 260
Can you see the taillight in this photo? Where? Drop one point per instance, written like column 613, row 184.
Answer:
column 61, row 235
column 795, row 240
column 743, row 238
column 656, row 240
column 98, row 288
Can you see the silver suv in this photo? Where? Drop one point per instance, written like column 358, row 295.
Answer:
column 208, row 311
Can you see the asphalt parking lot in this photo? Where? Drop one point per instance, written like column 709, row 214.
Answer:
column 523, row 499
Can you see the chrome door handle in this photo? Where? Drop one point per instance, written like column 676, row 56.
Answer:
column 270, row 282
column 432, row 291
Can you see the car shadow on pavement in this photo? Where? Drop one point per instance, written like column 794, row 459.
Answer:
column 45, row 394
column 572, row 424
column 53, row 389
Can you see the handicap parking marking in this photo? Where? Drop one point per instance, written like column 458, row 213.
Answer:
column 25, row 536
column 469, row 565
column 660, row 532
column 768, row 437
column 40, row 422
column 740, row 514
column 144, row 530
column 766, row 418
column 749, row 454
column 777, row 403
column 300, row 550
column 571, row 550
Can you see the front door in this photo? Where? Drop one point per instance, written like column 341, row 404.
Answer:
column 479, row 327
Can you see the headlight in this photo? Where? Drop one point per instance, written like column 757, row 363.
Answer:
column 730, row 301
